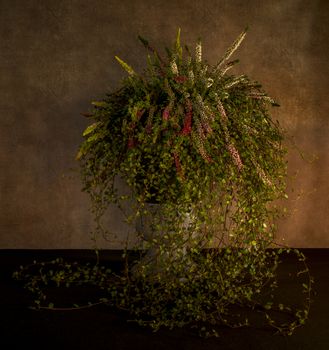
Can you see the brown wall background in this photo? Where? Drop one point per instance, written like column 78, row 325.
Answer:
column 57, row 56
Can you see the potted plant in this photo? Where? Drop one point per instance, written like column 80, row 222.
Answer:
column 205, row 164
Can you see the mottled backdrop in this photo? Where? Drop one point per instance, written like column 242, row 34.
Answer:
column 57, row 56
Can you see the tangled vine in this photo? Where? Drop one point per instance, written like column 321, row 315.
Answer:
column 205, row 166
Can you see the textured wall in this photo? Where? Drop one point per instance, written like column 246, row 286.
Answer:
column 57, row 56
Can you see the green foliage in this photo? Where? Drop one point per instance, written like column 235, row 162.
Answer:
column 204, row 163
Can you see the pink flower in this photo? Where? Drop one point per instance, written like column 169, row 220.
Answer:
column 235, row 156
column 165, row 113
column 140, row 113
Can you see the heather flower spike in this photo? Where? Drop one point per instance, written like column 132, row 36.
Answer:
column 178, row 165
column 125, row 66
column 235, row 156
column 262, row 96
column 235, row 81
column 187, row 128
column 231, row 49
column 165, row 113
column 191, row 76
column 174, row 67
column 263, row 176
column 198, row 51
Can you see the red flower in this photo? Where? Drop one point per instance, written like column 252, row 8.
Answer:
column 131, row 143
column 187, row 124
column 180, row 79
column 140, row 113
column 178, row 165
column 165, row 113
column 133, row 125
column 148, row 128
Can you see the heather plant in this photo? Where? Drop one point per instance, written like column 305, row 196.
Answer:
column 205, row 166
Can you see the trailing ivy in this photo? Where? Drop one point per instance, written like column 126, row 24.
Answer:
column 204, row 163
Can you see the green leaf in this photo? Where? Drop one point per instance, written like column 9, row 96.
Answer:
column 178, row 47
column 99, row 103
column 143, row 41
column 90, row 129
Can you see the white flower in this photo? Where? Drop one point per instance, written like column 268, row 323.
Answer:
column 174, row 67
column 198, row 52
column 209, row 82
column 191, row 76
